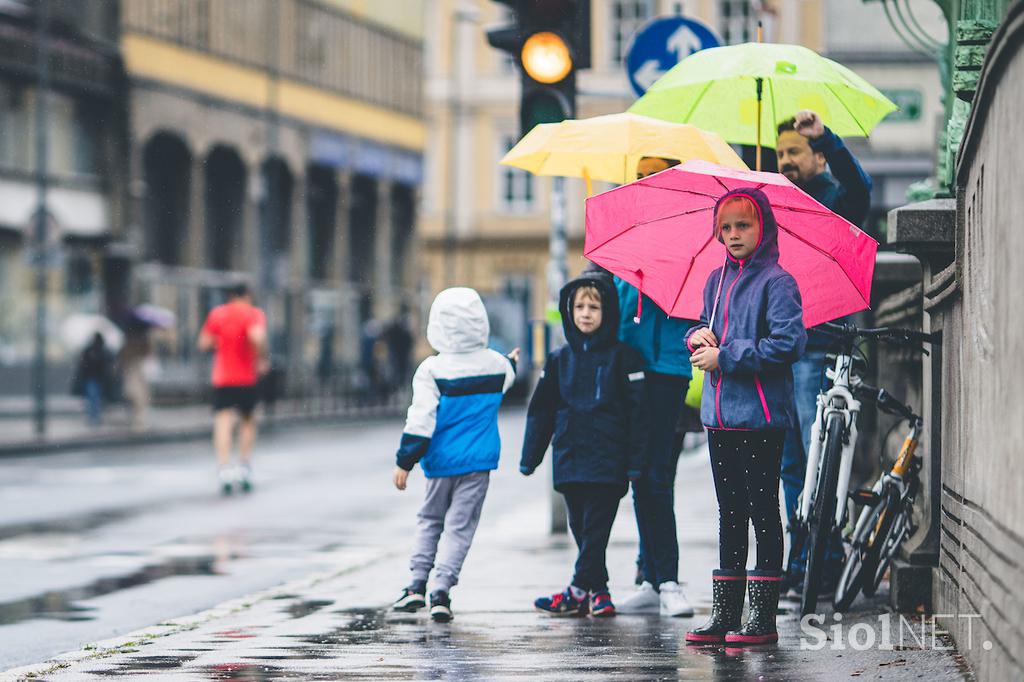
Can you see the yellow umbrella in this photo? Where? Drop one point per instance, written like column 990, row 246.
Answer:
column 609, row 147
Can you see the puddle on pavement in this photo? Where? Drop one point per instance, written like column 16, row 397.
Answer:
column 74, row 524
column 140, row 665
column 63, row 604
column 301, row 609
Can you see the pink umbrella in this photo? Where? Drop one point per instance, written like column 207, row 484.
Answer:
column 656, row 234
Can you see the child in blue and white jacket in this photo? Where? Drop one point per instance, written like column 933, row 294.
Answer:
column 452, row 431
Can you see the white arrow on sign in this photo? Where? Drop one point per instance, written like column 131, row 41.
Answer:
column 647, row 74
column 683, row 42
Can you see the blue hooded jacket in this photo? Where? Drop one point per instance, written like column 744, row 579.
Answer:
column 760, row 329
column 658, row 337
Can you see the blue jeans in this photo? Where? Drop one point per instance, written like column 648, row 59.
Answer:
column 654, row 493
column 808, row 381
column 93, row 401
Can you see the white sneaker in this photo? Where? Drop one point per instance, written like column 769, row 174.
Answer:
column 673, row 601
column 644, row 600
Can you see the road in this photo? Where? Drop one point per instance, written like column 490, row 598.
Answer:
column 130, row 561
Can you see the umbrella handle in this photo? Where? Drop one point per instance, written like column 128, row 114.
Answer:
column 639, row 298
column 718, row 296
column 586, row 179
column 757, row 160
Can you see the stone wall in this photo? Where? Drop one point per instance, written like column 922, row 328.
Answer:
column 976, row 305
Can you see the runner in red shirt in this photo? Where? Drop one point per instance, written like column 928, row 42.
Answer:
column 237, row 334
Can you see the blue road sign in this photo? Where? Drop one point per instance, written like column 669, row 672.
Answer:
column 662, row 43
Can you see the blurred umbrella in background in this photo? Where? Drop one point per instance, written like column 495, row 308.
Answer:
column 78, row 330
column 153, row 316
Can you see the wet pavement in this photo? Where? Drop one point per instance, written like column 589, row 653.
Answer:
column 331, row 622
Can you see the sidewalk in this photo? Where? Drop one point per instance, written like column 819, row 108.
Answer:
column 338, row 626
column 66, row 427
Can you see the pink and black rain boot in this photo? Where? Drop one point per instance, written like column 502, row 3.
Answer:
column 727, row 589
column 764, row 602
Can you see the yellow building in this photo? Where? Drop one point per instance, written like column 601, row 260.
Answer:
column 487, row 226
column 277, row 142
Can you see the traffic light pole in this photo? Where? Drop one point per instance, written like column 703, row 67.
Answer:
column 558, row 275
column 40, row 237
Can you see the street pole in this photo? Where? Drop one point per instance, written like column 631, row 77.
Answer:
column 558, row 275
column 40, row 256
column 464, row 28
column 270, row 189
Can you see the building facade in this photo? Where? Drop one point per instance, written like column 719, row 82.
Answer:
column 84, row 133
column 276, row 142
column 487, row 226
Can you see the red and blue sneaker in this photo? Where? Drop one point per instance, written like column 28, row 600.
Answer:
column 601, row 605
column 563, row 604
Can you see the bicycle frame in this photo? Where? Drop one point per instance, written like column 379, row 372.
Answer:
column 838, row 399
column 895, row 476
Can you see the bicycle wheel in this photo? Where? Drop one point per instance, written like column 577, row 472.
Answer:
column 889, row 545
column 878, row 537
column 823, row 512
column 854, row 573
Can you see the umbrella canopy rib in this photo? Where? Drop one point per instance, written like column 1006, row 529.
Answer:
column 826, row 254
column 845, row 106
column 686, row 277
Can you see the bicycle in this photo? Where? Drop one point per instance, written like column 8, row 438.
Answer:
column 887, row 518
column 822, row 504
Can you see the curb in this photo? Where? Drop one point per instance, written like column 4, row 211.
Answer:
column 129, row 642
column 186, row 433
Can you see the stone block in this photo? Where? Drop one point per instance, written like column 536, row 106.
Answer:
column 910, row 587
column 924, row 226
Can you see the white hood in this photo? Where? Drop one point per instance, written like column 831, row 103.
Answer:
column 458, row 321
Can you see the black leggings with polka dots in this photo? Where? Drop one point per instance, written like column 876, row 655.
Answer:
column 745, row 465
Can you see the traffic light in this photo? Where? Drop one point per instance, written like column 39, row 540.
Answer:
column 550, row 41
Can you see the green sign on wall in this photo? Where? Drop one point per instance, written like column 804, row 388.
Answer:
column 910, row 103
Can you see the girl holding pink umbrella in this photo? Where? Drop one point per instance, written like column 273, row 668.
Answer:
column 751, row 333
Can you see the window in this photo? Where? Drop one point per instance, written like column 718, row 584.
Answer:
column 16, row 123
column 737, row 21
column 626, row 18
column 515, row 187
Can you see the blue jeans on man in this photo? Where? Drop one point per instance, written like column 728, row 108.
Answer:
column 808, row 381
column 654, row 493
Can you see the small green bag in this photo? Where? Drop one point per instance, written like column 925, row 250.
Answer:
column 696, row 390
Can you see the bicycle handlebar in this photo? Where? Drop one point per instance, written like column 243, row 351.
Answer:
column 896, row 334
column 885, row 401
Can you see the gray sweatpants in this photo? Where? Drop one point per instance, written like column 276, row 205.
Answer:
column 452, row 506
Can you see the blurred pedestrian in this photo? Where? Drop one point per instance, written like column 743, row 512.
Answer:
column 236, row 332
column 93, row 378
column 452, row 431
column 399, row 341
column 659, row 338
column 135, row 363
column 592, row 401
column 807, row 151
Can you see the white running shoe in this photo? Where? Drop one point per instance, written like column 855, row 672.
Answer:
column 226, row 479
column 673, row 601
column 644, row 600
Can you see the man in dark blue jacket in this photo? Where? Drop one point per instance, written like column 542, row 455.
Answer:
column 807, row 150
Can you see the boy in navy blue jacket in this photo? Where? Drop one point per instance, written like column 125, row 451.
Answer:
column 592, row 400
column 452, row 432
column 750, row 335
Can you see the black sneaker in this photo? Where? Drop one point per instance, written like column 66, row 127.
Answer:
column 440, row 606
column 413, row 598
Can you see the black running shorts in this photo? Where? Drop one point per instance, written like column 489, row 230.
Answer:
column 240, row 398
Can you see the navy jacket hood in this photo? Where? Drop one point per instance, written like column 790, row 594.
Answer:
column 606, row 334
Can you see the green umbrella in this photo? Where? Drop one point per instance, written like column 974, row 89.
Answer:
column 742, row 92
